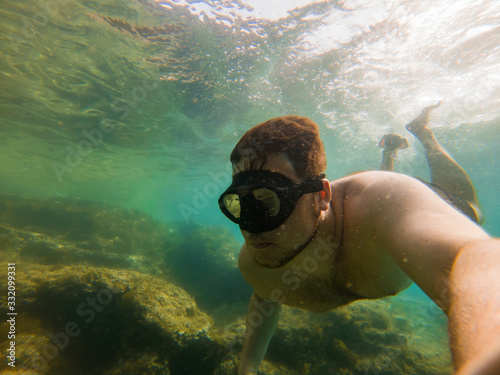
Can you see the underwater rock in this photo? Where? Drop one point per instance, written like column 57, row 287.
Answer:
column 88, row 320
column 201, row 259
column 100, row 293
column 365, row 337
column 72, row 231
column 232, row 337
column 230, row 367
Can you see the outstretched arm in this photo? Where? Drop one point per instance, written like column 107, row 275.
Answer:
column 474, row 309
column 451, row 258
column 262, row 319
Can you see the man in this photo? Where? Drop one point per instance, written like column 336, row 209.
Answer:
column 318, row 245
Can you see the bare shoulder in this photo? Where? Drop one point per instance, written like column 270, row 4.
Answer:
column 360, row 181
column 390, row 214
column 375, row 190
column 392, row 200
column 360, row 202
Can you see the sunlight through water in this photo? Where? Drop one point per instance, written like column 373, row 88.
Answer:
column 135, row 104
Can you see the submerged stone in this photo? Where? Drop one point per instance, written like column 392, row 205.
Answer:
column 104, row 290
column 55, row 231
column 88, row 320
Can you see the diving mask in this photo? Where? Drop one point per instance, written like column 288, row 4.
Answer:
column 260, row 200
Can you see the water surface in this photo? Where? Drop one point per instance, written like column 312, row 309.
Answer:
column 139, row 103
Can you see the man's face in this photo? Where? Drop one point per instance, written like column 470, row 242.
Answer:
column 272, row 248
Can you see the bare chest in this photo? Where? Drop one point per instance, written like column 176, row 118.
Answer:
column 308, row 281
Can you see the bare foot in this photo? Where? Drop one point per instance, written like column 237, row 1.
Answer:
column 392, row 142
column 419, row 124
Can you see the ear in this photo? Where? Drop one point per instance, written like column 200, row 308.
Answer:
column 404, row 144
column 382, row 142
column 325, row 195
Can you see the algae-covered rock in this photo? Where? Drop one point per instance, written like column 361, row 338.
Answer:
column 230, row 367
column 365, row 337
column 203, row 260
column 87, row 225
column 63, row 231
column 71, row 231
column 102, row 290
column 86, row 320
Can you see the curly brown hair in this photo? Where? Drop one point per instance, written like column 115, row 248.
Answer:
column 295, row 136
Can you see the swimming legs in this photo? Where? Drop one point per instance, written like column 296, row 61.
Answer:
column 445, row 172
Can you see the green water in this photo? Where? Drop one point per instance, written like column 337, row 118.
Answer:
column 138, row 104
column 175, row 93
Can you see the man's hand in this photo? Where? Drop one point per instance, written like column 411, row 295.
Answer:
column 262, row 319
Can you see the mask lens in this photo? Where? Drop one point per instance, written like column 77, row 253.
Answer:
column 232, row 204
column 269, row 199
column 260, row 200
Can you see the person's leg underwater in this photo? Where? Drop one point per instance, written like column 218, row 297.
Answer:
column 445, row 172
